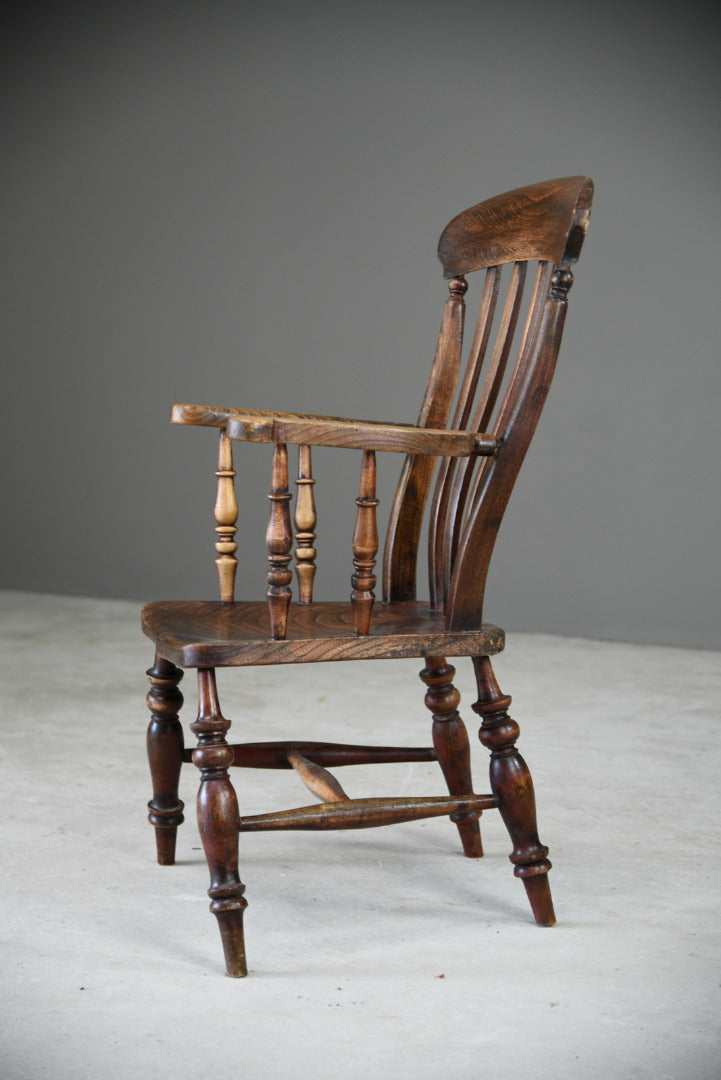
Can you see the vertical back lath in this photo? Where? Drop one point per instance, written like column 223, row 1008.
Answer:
column 406, row 517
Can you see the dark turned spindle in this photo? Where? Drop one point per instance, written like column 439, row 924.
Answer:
column 365, row 546
column 165, row 755
column 450, row 740
column 512, row 785
column 279, row 541
column 218, row 822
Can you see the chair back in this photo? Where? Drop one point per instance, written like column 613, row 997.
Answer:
column 526, row 242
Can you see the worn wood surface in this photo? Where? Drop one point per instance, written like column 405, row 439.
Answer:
column 544, row 221
column 318, row 780
column 367, row 813
column 211, row 634
column 297, row 428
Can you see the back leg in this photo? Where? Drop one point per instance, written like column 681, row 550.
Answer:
column 450, row 740
column 165, row 755
column 512, row 785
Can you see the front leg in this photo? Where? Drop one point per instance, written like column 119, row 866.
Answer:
column 218, row 821
column 165, row 755
column 512, row 785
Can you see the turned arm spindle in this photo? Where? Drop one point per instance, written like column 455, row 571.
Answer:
column 226, row 516
column 365, row 546
column 305, row 520
column 279, row 541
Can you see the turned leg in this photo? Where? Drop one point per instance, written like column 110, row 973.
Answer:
column 218, row 821
column 450, row 740
column 165, row 755
column 512, row 785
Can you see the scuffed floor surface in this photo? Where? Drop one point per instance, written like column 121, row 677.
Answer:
column 372, row 954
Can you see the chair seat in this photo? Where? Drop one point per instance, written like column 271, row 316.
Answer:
column 204, row 634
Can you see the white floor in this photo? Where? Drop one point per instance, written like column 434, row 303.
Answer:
column 372, row 954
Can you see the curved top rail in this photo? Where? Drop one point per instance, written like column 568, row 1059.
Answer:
column 546, row 221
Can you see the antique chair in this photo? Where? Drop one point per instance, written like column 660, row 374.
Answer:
column 474, row 428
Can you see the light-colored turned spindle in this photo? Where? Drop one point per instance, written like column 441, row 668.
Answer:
column 318, row 780
column 365, row 546
column 226, row 516
column 305, row 519
column 279, row 541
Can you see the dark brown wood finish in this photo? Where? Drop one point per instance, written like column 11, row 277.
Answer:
column 279, row 540
column 450, row 741
column 165, row 755
column 475, row 424
column 406, row 520
column 211, row 634
column 545, row 221
column 275, row 755
column 368, row 813
column 512, row 785
column 218, row 822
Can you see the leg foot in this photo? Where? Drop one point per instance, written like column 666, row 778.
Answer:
column 165, row 750
column 512, row 785
column 218, row 821
column 450, row 740
column 230, row 924
column 539, row 894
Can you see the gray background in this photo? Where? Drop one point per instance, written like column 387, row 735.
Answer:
column 219, row 203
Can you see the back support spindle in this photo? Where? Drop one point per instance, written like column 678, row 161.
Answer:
column 492, row 486
column 406, row 517
column 451, row 499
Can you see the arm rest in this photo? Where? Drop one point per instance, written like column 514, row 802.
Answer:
column 251, row 425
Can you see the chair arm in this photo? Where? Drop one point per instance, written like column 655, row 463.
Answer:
column 251, row 425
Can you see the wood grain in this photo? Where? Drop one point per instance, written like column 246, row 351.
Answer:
column 210, row 634
column 406, row 518
column 279, row 541
column 367, row 813
column 365, row 546
column 541, row 221
column 298, row 429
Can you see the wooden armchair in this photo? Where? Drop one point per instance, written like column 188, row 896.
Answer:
column 474, row 428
